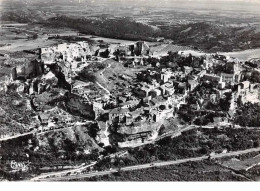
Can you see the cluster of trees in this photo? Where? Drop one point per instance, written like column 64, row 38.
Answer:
column 86, row 75
column 255, row 77
column 248, row 115
column 210, row 37
column 201, row 96
column 123, row 28
column 192, row 143
column 200, row 117
column 174, row 60
column 204, row 120
column 251, row 64
column 204, row 170
column 224, row 103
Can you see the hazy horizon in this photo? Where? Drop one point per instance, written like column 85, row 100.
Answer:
column 132, row 1
column 240, row 5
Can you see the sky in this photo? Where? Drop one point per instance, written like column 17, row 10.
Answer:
column 81, row 1
column 212, row 4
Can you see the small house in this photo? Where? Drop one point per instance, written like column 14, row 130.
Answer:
column 44, row 118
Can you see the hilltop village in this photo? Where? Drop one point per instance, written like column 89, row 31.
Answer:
column 132, row 95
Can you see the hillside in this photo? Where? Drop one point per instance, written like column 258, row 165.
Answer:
column 214, row 37
column 206, row 36
column 225, row 34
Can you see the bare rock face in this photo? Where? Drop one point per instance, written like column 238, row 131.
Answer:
column 103, row 134
column 17, row 102
column 48, row 57
column 38, row 68
column 49, row 99
column 50, row 79
column 2, row 112
column 138, row 128
column 28, row 69
column 20, row 88
column 93, row 49
column 76, row 106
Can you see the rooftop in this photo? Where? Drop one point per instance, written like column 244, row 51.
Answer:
column 119, row 110
column 158, row 100
column 44, row 116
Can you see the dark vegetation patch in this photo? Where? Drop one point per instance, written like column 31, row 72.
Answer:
column 248, row 115
column 193, row 143
column 121, row 28
column 23, row 150
column 191, row 171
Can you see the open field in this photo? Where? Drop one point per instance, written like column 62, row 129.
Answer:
column 208, row 26
column 18, row 37
column 163, row 49
column 108, row 40
column 114, row 76
column 242, row 165
column 244, row 55
column 24, row 44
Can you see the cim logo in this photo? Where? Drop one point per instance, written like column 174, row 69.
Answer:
column 24, row 166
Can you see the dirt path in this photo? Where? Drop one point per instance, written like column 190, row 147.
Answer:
column 103, row 88
column 40, row 133
column 101, row 73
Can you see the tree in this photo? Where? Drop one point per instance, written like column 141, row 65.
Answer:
column 88, row 76
column 69, row 145
column 105, row 54
column 92, row 130
column 255, row 77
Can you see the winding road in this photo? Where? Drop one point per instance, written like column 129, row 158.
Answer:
column 150, row 165
column 60, row 173
column 15, row 136
column 43, row 132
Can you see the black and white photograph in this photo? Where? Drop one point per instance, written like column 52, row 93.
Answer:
column 129, row 91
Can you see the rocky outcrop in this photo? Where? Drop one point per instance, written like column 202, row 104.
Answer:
column 103, row 134
column 49, row 99
column 28, row 70
column 139, row 128
column 50, row 79
column 69, row 142
column 77, row 106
